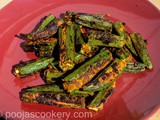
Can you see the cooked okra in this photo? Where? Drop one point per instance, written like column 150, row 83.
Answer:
column 90, row 53
column 141, row 49
column 24, row 69
column 87, row 71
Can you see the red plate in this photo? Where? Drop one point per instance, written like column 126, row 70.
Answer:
column 136, row 95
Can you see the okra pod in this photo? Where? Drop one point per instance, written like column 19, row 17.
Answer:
column 78, row 34
column 46, row 20
column 94, row 22
column 101, row 97
column 134, row 67
column 51, row 98
column 123, row 53
column 72, row 14
column 50, row 30
column 122, row 31
column 141, row 49
column 43, row 88
column 67, row 46
column 109, row 40
column 51, row 74
column 79, row 58
column 30, row 67
column 107, row 76
column 87, row 71
column 41, row 44
column 81, row 93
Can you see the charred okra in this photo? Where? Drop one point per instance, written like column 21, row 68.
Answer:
column 43, row 88
column 134, row 67
column 49, row 30
column 52, row 98
column 122, row 31
column 46, row 20
column 108, row 40
column 91, row 21
column 87, row 71
column 30, row 67
column 106, row 77
column 67, row 46
column 101, row 97
column 141, row 49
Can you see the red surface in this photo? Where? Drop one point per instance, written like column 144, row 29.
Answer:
column 136, row 95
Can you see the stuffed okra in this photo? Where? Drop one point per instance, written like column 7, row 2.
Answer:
column 30, row 67
column 67, row 46
column 87, row 71
column 106, row 77
column 52, row 98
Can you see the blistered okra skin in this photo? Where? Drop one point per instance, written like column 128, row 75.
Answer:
column 44, row 22
column 123, row 53
column 101, row 97
column 141, row 49
column 108, row 40
column 49, row 30
column 79, row 58
column 121, row 30
column 43, row 88
column 66, row 46
column 134, row 67
column 87, row 71
column 30, row 67
column 94, row 22
column 107, row 76
column 41, row 44
column 52, row 98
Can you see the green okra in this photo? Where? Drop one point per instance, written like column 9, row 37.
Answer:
column 107, row 77
column 122, row 31
column 51, row 74
column 44, row 88
column 108, row 40
column 30, row 67
column 44, row 22
column 81, row 93
column 67, row 46
column 52, row 98
column 87, row 71
column 95, row 22
column 123, row 53
column 78, row 33
column 134, row 67
column 101, row 97
column 79, row 58
column 141, row 49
